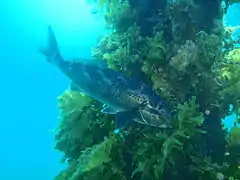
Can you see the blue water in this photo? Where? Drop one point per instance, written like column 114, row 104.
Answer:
column 232, row 19
column 30, row 86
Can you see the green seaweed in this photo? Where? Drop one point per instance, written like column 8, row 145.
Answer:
column 94, row 157
column 160, row 152
column 78, row 118
column 233, row 153
column 188, row 57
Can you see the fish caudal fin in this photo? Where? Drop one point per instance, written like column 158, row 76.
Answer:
column 51, row 51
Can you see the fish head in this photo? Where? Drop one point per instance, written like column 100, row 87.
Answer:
column 155, row 112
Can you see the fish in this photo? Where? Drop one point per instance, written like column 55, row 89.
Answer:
column 127, row 98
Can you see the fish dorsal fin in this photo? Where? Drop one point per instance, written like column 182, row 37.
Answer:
column 109, row 110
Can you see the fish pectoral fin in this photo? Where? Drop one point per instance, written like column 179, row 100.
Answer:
column 143, row 118
column 109, row 110
column 125, row 118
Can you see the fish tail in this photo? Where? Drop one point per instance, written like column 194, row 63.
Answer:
column 51, row 50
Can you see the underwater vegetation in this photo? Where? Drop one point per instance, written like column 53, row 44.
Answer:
column 184, row 51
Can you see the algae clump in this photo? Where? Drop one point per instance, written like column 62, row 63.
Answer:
column 187, row 55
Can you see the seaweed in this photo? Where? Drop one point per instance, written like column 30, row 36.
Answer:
column 187, row 55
